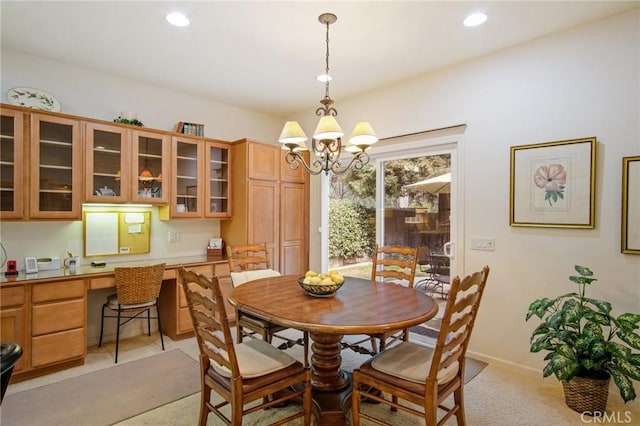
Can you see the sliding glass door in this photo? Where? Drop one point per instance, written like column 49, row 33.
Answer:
column 402, row 197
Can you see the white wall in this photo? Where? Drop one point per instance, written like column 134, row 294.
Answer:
column 581, row 83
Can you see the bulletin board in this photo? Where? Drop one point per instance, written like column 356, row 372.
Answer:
column 116, row 232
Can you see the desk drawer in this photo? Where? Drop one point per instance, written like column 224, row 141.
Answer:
column 57, row 347
column 11, row 296
column 102, row 282
column 58, row 291
column 59, row 316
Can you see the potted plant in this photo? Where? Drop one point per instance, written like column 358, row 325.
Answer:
column 587, row 345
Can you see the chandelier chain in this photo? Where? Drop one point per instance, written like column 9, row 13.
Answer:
column 326, row 69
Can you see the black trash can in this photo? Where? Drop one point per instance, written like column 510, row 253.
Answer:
column 10, row 353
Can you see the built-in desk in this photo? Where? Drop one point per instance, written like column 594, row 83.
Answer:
column 46, row 312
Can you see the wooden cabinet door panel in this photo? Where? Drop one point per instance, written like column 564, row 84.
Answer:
column 287, row 174
column 264, row 161
column 294, row 216
column 13, row 161
column 56, row 166
column 58, row 347
column 150, row 151
column 52, row 317
column 264, row 213
column 107, row 163
column 12, row 329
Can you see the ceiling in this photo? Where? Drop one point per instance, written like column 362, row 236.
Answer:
column 265, row 55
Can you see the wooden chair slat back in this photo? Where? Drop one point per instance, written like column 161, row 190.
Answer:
column 248, row 257
column 209, row 318
column 395, row 262
column 457, row 323
column 138, row 284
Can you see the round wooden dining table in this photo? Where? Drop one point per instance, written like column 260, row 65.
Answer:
column 360, row 306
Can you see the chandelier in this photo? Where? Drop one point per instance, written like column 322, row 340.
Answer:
column 326, row 144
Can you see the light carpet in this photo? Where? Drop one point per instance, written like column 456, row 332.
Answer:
column 106, row 396
column 185, row 412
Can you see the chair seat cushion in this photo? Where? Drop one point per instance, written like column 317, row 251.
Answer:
column 411, row 362
column 256, row 358
column 112, row 303
column 238, row 278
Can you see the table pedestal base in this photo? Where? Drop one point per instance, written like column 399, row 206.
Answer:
column 331, row 385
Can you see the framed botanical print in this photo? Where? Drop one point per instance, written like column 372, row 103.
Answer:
column 553, row 184
column 631, row 205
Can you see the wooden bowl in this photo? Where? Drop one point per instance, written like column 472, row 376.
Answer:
column 319, row 290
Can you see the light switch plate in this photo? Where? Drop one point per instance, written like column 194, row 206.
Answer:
column 483, row 243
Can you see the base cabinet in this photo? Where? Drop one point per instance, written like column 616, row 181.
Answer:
column 12, row 321
column 58, row 318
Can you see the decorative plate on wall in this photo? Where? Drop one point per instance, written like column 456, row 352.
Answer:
column 33, row 98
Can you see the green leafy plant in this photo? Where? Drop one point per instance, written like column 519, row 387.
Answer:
column 132, row 121
column 585, row 339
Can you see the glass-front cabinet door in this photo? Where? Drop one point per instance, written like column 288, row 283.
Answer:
column 107, row 163
column 187, row 177
column 217, row 178
column 11, row 165
column 150, row 180
column 55, row 167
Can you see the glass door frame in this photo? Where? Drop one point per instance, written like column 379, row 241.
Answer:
column 419, row 145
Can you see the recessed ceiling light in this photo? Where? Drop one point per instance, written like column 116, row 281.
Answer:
column 177, row 19
column 323, row 78
column 475, row 19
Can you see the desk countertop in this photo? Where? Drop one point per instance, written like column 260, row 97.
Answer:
column 90, row 271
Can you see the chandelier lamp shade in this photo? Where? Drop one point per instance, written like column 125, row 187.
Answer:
column 327, row 145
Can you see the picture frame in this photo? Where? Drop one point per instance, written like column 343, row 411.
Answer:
column 630, row 205
column 552, row 184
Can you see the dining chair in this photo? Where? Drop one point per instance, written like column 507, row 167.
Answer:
column 391, row 264
column 396, row 264
column 423, row 375
column 137, row 292
column 251, row 262
column 240, row 373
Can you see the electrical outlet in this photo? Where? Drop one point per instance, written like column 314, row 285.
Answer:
column 174, row 236
column 483, row 243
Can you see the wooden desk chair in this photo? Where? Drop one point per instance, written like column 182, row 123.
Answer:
column 137, row 291
column 396, row 264
column 243, row 372
column 422, row 375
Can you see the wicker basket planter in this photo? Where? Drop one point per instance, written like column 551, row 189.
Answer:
column 587, row 395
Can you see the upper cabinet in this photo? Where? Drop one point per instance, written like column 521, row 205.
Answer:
column 150, row 167
column 187, row 186
column 217, row 180
column 125, row 165
column 201, row 176
column 55, row 167
column 107, row 161
column 12, row 177
column 51, row 163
